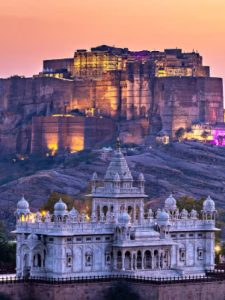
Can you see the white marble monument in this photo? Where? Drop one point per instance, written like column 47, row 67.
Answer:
column 119, row 237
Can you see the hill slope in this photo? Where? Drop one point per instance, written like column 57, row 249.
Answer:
column 188, row 168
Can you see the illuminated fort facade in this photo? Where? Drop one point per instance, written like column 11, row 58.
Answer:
column 144, row 91
column 119, row 237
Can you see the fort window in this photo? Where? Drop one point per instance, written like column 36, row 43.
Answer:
column 78, row 239
column 107, row 238
column 88, row 239
column 98, row 238
column 51, row 239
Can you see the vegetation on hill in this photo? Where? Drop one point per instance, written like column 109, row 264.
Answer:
column 7, row 248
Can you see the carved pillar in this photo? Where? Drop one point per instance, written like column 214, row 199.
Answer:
column 115, row 260
column 123, row 261
column 132, row 261
column 134, row 213
column 142, row 260
column 152, row 262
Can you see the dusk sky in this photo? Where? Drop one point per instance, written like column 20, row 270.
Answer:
column 32, row 30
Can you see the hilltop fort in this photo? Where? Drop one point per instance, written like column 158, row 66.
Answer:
column 142, row 92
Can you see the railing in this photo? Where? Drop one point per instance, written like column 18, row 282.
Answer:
column 7, row 269
column 211, row 276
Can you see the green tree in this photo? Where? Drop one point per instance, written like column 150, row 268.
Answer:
column 53, row 198
column 8, row 249
column 190, row 203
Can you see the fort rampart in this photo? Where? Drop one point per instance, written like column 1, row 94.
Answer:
column 102, row 289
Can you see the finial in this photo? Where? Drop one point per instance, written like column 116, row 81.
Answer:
column 118, row 143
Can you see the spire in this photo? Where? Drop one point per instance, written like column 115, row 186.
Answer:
column 118, row 145
column 118, row 165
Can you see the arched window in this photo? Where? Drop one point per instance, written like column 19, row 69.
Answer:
column 98, row 213
column 88, row 259
column 147, row 260
column 127, row 263
column 104, row 210
column 119, row 260
column 156, row 259
column 39, row 260
column 139, row 260
column 69, row 258
column 108, row 258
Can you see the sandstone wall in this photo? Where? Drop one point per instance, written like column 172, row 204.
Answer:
column 181, row 101
column 168, row 103
column 100, row 291
column 62, row 133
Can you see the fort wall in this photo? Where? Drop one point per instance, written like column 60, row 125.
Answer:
column 60, row 133
column 101, row 290
column 165, row 102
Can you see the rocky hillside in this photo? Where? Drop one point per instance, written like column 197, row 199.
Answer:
column 188, row 168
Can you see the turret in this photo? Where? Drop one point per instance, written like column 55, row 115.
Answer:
column 141, row 182
column 162, row 219
column 23, row 209
column 209, row 210
column 60, row 210
column 94, row 181
column 116, row 183
column 170, row 204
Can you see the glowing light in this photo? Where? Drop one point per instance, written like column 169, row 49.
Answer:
column 217, row 248
column 62, row 115
column 22, row 218
column 43, row 213
column 32, row 217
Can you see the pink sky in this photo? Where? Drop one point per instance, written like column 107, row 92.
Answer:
column 31, row 31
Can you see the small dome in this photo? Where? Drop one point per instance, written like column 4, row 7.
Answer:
column 94, row 176
column 162, row 217
column 23, row 206
column 116, row 177
column 73, row 212
column 60, row 208
column 209, row 205
column 184, row 213
column 32, row 237
column 124, row 218
column 171, row 203
column 141, row 177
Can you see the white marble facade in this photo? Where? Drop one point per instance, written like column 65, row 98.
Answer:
column 120, row 236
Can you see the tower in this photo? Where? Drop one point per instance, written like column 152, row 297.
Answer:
column 117, row 192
